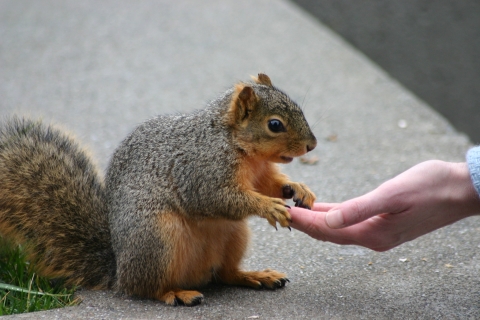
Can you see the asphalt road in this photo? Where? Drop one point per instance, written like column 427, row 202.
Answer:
column 100, row 68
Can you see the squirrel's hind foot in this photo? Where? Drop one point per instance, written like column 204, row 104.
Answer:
column 182, row 297
column 266, row 279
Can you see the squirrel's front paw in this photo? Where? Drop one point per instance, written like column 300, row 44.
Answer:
column 275, row 210
column 300, row 193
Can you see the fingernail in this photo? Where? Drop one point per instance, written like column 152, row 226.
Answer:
column 334, row 219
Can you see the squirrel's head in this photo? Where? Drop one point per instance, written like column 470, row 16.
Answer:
column 267, row 123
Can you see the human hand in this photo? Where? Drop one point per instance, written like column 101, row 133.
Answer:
column 424, row 198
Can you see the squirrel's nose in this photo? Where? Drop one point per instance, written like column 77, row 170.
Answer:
column 311, row 145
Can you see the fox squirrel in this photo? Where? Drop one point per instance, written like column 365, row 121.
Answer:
column 171, row 213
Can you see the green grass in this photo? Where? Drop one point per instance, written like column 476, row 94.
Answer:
column 21, row 290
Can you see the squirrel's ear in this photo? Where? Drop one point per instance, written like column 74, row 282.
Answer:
column 263, row 79
column 243, row 103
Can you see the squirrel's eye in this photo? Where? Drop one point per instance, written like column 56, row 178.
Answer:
column 276, row 125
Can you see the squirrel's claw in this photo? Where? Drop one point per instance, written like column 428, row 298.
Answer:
column 272, row 222
column 195, row 301
column 280, row 283
column 299, row 203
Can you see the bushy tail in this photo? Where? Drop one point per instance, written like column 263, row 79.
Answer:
column 52, row 200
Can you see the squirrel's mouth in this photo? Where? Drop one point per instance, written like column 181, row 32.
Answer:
column 286, row 159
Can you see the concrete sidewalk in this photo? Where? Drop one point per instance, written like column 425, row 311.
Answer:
column 101, row 67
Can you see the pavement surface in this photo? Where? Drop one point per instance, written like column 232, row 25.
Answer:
column 101, row 67
column 431, row 49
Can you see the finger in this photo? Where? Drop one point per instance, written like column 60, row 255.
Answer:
column 323, row 206
column 358, row 209
column 306, row 221
column 313, row 223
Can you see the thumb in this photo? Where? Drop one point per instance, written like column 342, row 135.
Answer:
column 356, row 210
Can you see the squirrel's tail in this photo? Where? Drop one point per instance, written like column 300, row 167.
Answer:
column 52, row 201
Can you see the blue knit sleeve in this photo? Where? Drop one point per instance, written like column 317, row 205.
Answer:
column 473, row 160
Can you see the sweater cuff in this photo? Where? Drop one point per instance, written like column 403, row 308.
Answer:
column 473, row 161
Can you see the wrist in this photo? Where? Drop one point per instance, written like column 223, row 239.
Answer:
column 464, row 193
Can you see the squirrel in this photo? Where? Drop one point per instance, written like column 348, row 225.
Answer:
column 171, row 213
